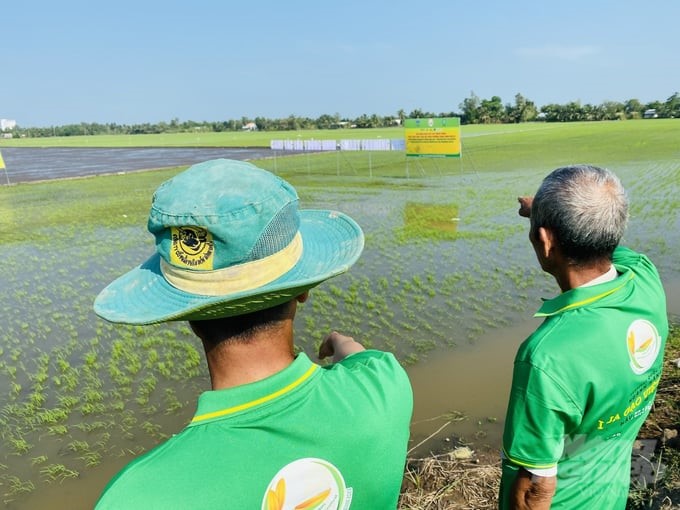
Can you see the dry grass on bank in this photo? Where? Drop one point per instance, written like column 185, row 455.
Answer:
column 438, row 483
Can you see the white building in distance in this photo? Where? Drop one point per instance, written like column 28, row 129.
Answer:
column 7, row 124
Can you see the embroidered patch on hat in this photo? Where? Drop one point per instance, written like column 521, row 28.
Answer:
column 192, row 247
column 644, row 344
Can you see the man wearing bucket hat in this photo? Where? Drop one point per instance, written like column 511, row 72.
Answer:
column 234, row 256
column 585, row 380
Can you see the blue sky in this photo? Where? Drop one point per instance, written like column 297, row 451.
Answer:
column 64, row 62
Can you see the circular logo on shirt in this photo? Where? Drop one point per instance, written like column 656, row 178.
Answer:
column 644, row 344
column 307, row 484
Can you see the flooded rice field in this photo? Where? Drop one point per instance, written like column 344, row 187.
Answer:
column 81, row 397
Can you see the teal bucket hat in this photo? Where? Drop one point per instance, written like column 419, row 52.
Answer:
column 230, row 240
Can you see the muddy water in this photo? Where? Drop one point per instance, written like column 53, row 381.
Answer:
column 80, row 493
column 471, row 381
column 673, row 297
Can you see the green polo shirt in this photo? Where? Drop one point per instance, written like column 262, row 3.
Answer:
column 583, row 384
column 307, row 437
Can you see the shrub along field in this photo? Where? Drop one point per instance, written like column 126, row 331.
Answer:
column 446, row 261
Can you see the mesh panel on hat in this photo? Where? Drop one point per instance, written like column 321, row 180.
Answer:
column 278, row 233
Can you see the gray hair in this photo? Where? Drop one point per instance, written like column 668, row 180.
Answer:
column 585, row 207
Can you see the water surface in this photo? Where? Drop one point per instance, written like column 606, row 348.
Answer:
column 32, row 164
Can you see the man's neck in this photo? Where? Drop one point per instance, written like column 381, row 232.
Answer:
column 234, row 363
column 572, row 277
column 610, row 275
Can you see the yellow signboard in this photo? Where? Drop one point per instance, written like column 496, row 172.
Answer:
column 433, row 138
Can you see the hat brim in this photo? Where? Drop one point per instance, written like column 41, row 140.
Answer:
column 332, row 242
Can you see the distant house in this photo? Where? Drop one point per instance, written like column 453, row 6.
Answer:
column 250, row 126
column 7, row 124
column 650, row 114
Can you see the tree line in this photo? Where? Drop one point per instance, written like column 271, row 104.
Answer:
column 492, row 111
column 473, row 110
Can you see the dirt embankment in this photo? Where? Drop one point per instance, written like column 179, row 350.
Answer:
column 462, row 479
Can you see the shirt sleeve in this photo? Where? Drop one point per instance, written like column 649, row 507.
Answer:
column 540, row 415
column 380, row 375
column 625, row 256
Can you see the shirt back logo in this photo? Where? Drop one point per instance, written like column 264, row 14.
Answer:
column 644, row 344
column 307, row 484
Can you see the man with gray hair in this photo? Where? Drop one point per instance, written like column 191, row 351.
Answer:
column 585, row 380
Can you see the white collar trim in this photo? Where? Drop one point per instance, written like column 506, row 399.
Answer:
column 606, row 277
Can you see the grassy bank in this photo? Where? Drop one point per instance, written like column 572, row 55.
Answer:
column 458, row 480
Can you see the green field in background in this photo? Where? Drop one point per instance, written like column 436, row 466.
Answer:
column 487, row 148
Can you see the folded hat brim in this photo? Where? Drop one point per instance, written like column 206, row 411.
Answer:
column 332, row 242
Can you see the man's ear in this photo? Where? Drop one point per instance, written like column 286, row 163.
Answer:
column 546, row 240
column 303, row 297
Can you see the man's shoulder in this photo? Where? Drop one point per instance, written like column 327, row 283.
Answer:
column 560, row 341
column 368, row 356
column 626, row 258
column 548, row 336
column 139, row 478
column 371, row 368
column 379, row 363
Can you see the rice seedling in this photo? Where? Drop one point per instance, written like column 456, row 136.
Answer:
column 57, row 473
column 16, row 487
column 15, row 389
column 172, row 403
column 92, row 408
column 91, row 459
column 148, row 409
column 152, row 429
column 57, row 430
column 19, row 445
column 103, row 441
column 165, row 368
column 78, row 446
column 36, row 399
column 51, row 416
